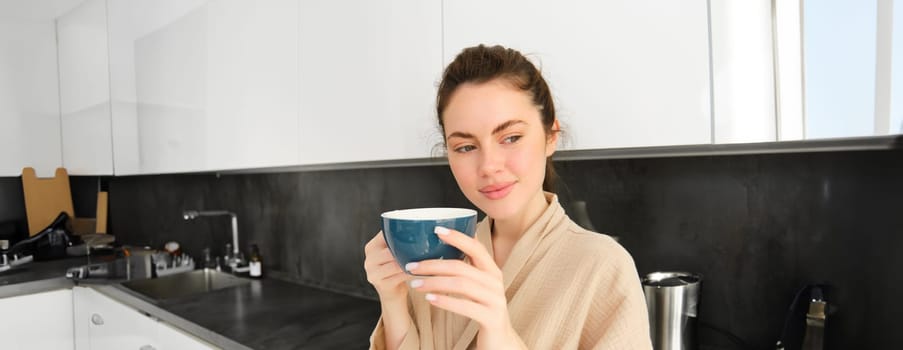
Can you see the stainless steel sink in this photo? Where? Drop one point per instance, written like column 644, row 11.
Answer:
column 183, row 284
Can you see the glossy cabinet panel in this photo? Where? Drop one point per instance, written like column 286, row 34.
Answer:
column 87, row 144
column 29, row 92
column 623, row 73
column 252, row 83
column 145, row 138
column 203, row 85
column 743, row 72
column 368, row 74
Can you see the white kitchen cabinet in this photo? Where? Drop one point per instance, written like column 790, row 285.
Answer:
column 743, row 72
column 37, row 321
column 29, row 90
column 368, row 75
column 203, row 85
column 623, row 73
column 84, row 79
column 160, row 131
column 103, row 323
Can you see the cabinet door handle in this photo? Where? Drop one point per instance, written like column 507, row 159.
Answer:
column 148, row 347
column 97, row 319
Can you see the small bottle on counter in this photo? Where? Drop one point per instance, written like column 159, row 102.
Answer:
column 255, row 263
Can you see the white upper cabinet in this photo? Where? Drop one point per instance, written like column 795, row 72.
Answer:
column 368, row 75
column 157, row 104
column 743, row 72
column 29, row 89
column 203, row 85
column 252, row 83
column 623, row 73
column 84, row 80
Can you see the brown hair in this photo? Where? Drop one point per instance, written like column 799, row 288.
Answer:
column 481, row 64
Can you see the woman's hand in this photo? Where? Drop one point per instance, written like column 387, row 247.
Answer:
column 476, row 291
column 383, row 272
column 389, row 280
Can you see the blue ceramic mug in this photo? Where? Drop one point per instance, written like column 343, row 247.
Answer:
column 409, row 232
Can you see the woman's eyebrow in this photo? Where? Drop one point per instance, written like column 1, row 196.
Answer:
column 460, row 134
column 501, row 127
column 506, row 125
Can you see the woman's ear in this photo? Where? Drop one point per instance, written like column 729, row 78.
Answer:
column 552, row 140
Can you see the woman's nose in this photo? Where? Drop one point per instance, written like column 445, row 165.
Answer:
column 492, row 161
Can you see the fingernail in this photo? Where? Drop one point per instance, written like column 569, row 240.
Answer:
column 416, row 283
column 430, row 297
column 439, row 230
column 410, row 266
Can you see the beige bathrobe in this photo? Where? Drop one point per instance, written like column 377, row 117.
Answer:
column 567, row 288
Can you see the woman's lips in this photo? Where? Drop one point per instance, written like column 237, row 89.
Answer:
column 497, row 191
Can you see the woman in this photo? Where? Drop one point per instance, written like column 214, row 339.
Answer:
column 533, row 278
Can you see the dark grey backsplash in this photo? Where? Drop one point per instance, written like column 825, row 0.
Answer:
column 12, row 203
column 12, row 209
column 310, row 225
column 13, row 220
column 758, row 227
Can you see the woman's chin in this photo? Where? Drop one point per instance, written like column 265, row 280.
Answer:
column 497, row 210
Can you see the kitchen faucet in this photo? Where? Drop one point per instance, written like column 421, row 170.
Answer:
column 193, row 214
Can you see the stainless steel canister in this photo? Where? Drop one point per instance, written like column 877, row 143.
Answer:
column 672, row 299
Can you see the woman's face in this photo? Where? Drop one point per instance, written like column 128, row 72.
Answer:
column 497, row 146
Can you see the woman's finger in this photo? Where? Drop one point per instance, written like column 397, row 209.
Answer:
column 458, row 286
column 464, row 307
column 397, row 278
column 377, row 242
column 381, row 271
column 470, row 246
column 437, row 267
column 378, row 258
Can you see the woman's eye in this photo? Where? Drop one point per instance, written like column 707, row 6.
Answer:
column 465, row 149
column 512, row 139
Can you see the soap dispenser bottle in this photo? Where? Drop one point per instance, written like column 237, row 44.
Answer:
column 255, row 264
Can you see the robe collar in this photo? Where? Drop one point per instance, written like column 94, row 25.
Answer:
column 523, row 250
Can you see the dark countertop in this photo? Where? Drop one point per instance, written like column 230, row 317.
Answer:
column 274, row 314
column 38, row 276
column 40, row 270
column 263, row 314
